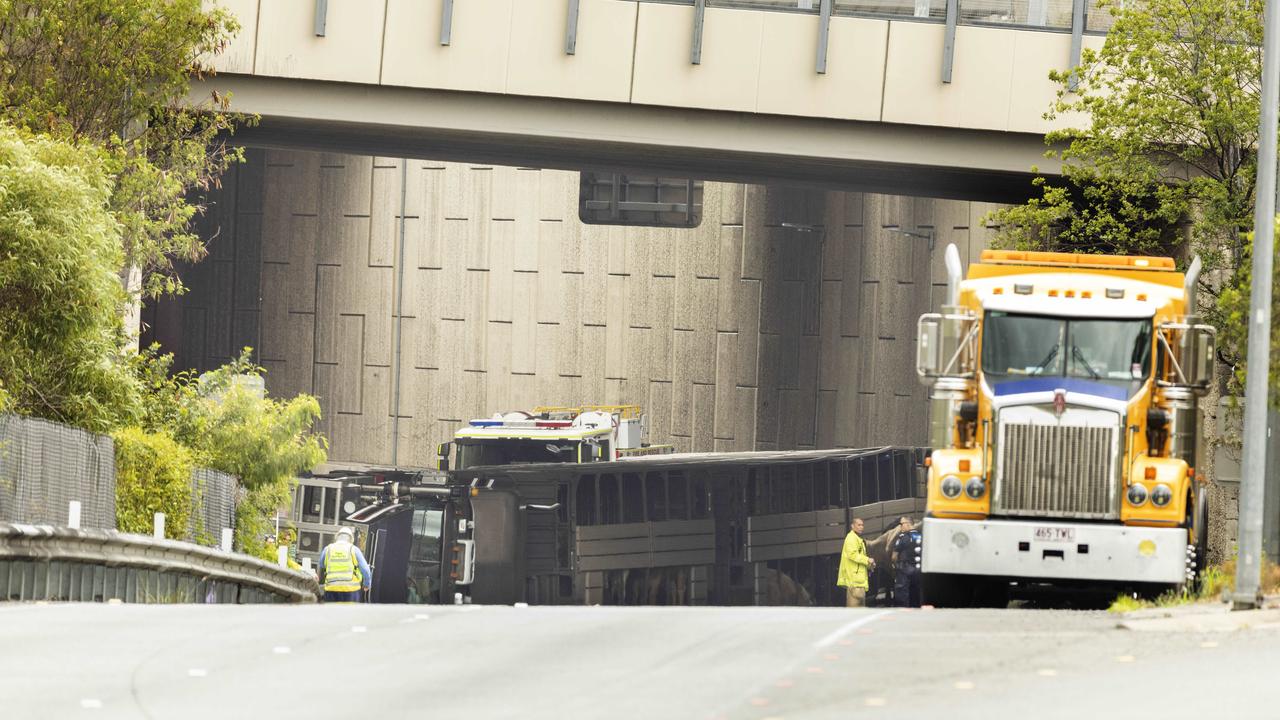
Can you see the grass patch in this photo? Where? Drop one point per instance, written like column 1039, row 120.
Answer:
column 1216, row 580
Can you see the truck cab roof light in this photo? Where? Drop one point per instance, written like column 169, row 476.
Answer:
column 1070, row 293
column 1086, row 294
column 1053, row 293
column 1115, row 293
column 1142, row 297
column 1023, row 289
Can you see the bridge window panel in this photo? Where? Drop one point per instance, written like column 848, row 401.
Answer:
column 632, row 498
column 1097, row 17
column 677, row 496
column 932, row 9
column 626, row 199
column 701, row 501
column 1028, row 13
column 655, row 495
column 610, row 500
column 801, row 6
column 584, row 501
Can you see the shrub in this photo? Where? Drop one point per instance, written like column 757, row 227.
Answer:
column 153, row 474
column 232, row 428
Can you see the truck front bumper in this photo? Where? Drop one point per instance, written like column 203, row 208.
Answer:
column 1052, row 550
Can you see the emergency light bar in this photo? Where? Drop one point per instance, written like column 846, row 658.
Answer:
column 523, row 423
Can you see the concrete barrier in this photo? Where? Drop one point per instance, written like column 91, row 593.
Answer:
column 43, row 562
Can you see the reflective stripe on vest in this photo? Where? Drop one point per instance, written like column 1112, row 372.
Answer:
column 340, row 571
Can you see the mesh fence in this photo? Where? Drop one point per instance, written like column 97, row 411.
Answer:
column 45, row 465
column 213, row 497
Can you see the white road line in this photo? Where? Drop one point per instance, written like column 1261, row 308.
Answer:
column 358, row 628
column 197, row 672
column 91, row 704
column 280, row 650
column 840, row 632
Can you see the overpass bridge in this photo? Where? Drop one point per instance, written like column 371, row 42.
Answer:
column 943, row 98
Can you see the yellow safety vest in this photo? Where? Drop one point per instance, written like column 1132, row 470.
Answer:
column 341, row 573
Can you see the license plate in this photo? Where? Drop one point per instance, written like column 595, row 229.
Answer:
column 1055, row 534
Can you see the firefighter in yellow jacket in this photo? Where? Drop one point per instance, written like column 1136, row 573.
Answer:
column 343, row 569
column 854, row 564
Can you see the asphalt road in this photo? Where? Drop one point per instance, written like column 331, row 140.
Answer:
column 100, row 661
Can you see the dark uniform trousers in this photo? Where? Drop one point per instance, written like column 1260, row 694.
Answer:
column 906, row 585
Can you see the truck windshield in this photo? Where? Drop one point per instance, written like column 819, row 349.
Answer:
column 1114, row 352
column 506, row 451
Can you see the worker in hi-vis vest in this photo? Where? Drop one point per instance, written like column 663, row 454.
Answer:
column 343, row 569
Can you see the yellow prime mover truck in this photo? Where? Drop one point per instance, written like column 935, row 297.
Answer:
column 1064, row 425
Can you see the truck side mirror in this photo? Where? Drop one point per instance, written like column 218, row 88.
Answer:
column 442, row 455
column 928, row 364
column 1200, row 356
column 946, row 345
column 1187, row 355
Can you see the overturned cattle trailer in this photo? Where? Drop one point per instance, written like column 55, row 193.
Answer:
column 750, row 528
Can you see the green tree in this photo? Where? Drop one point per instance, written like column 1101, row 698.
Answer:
column 61, row 345
column 118, row 73
column 1166, row 158
column 232, row 426
column 153, row 474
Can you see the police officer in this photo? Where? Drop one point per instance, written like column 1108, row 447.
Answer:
column 343, row 569
column 906, row 568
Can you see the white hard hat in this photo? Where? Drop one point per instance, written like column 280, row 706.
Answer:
column 351, row 534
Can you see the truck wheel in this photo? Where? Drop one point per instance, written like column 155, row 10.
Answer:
column 1200, row 529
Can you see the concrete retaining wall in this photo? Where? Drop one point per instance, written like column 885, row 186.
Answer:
column 785, row 320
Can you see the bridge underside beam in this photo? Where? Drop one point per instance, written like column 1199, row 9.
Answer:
column 571, row 134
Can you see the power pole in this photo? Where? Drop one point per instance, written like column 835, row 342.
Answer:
column 1252, row 479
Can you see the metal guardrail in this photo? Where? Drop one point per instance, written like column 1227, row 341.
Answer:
column 42, row 562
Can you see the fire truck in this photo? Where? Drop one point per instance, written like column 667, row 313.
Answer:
column 1064, row 425
column 589, row 433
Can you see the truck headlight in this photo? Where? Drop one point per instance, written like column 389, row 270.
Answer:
column 1137, row 494
column 975, row 488
column 951, row 487
column 1161, row 495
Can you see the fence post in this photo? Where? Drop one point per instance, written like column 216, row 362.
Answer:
column 227, row 535
column 73, row 514
column 158, row 533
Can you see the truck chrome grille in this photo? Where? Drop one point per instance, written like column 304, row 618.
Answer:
column 1057, row 470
